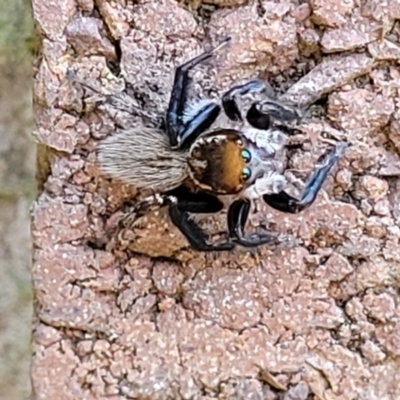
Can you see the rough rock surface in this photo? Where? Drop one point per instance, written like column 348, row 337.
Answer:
column 144, row 316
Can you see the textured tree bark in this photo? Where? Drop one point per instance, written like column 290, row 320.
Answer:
column 148, row 318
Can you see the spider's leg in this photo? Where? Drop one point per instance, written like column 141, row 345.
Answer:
column 174, row 123
column 196, row 203
column 142, row 207
column 200, row 117
column 228, row 99
column 237, row 217
column 260, row 113
column 284, row 202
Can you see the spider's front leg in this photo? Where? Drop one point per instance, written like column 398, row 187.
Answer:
column 284, row 202
column 184, row 126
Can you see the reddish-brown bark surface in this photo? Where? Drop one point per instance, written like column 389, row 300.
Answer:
column 315, row 318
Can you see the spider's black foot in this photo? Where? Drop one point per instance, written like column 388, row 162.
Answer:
column 237, row 217
column 226, row 246
column 256, row 239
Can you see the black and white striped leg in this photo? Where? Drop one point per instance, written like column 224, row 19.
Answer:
column 284, row 202
column 229, row 98
column 200, row 120
column 175, row 112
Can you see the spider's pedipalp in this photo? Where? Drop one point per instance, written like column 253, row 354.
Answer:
column 269, row 183
column 266, row 141
column 280, row 111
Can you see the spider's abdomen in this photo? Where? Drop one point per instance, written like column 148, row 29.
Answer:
column 142, row 157
column 216, row 163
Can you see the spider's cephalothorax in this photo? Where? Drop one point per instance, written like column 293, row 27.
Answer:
column 189, row 165
column 232, row 162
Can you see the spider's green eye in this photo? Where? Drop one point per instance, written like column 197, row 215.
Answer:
column 246, row 173
column 246, row 156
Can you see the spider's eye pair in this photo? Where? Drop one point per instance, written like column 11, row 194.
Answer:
column 246, row 173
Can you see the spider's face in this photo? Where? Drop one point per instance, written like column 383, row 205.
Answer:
column 230, row 162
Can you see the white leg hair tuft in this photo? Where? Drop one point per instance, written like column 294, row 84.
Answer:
column 269, row 183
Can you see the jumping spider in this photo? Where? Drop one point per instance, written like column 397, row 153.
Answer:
column 188, row 165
